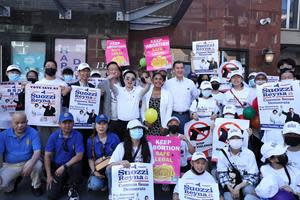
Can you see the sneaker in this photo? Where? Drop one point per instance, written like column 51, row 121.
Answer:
column 73, row 194
column 37, row 191
column 14, row 186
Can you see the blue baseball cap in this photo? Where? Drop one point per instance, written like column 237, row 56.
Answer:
column 66, row 116
column 101, row 118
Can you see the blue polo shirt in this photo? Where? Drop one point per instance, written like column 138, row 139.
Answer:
column 111, row 143
column 64, row 153
column 19, row 149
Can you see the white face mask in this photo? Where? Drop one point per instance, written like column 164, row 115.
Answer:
column 235, row 143
column 260, row 82
column 229, row 116
column 286, row 80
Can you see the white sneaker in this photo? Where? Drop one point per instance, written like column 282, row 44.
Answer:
column 73, row 194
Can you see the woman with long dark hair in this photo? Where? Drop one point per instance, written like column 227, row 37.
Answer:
column 135, row 148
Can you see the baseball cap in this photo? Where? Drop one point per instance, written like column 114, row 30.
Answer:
column 197, row 155
column 95, row 72
column 291, row 127
column 269, row 149
column 134, row 123
column 13, row 67
column 261, row 73
column 236, row 72
column 173, row 118
column 252, row 74
column 101, row 118
column 82, row 66
column 192, row 75
column 229, row 109
column 66, row 116
column 205, row 85
column 215, row 78
column 234, row 132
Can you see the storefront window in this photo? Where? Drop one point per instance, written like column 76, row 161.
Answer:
column 28, row 55
column 290, row 14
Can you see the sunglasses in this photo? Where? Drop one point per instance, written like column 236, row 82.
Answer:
column 65, row 145
column 129, row 79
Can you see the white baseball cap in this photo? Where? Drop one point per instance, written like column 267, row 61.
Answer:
column 197, row 155
column 252, row 74
column 261, row 73
column 173, row 118
column 82, row 66
column 13, row 67
column 268, row 187
column 234, row 132
column 134, row 124
column 215, row 78
column 229, row 109
column 205, row 85
column 269, row 149
column 236, row 72
column 291, row 127
column 95, row 71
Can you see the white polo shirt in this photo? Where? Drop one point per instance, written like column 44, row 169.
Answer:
column 205, row 178
column 54, row 82
column 205, row 107
column 128, row 103
column 183, row 92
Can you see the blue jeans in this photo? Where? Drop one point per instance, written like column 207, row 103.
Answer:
column 95, row 183
column 184, row 118
column 247, row 192
column 109, row 177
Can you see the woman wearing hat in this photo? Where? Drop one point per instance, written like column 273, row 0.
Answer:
column 276, row 165
column 13, row 72
column 135, row 148
column 100, row 147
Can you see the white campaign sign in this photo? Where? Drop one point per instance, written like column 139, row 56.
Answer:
column 135, row 182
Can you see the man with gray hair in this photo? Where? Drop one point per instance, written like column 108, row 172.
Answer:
column 20, row 151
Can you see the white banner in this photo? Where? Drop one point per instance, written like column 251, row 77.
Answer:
column 84, row 106
column 278, row 103
column 96, row 81
column 135, row 182
column 222, row 126
column 193, row 189
column 206, row 56
column 8, row 102
column 42, row 104
column 200, row 135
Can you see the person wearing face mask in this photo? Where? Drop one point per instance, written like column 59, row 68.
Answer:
column 197, row 172
column 216, row 94
column 128, row 99
column 276, row 165
column 205, row 105
column 287, row 76
column 32, row 76
column 251, row 81
column 186, row 147
column 67, row 74
column 237, row 168
column 291, row 134
column 13, row 72
column 135, row 148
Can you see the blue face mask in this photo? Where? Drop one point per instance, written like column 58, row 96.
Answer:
column 136, row 133
column 252, row 83
column 68, row 78
column 13, row 77
column 206, row 93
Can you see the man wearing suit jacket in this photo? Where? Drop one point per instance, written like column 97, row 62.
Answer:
column 291, row 116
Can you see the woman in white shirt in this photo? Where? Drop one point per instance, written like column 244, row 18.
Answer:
column 135, row 148
column 128, row 99
column 205, row 105
column 159, row 99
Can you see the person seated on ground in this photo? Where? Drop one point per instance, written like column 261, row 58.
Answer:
column 20, row 151
column 197, row 172
column 135, row 148
column 291, row 134
column 63, row 155
column 237, row 168
column 276, row 168
column 100, row 147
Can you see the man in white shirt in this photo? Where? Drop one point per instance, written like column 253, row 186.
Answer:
column 50, row 67
column 183, row 91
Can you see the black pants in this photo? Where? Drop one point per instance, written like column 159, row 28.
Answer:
column 72, row 176
column 121, row 129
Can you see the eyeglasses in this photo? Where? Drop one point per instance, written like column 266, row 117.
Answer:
column 65, row 145
column 129, row 79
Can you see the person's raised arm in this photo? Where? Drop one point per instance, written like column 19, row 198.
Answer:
column 112, row 85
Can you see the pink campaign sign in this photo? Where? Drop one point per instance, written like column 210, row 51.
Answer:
column 116, row 50
column 157, row 52
column 166, row 152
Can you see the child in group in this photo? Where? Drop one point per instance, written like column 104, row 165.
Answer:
column 197, row 172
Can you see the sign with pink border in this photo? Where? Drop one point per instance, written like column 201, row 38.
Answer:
column 116, row 50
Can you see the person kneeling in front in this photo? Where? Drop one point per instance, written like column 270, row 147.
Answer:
column 197, row 172
column 63, row 155
column 20, row 147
